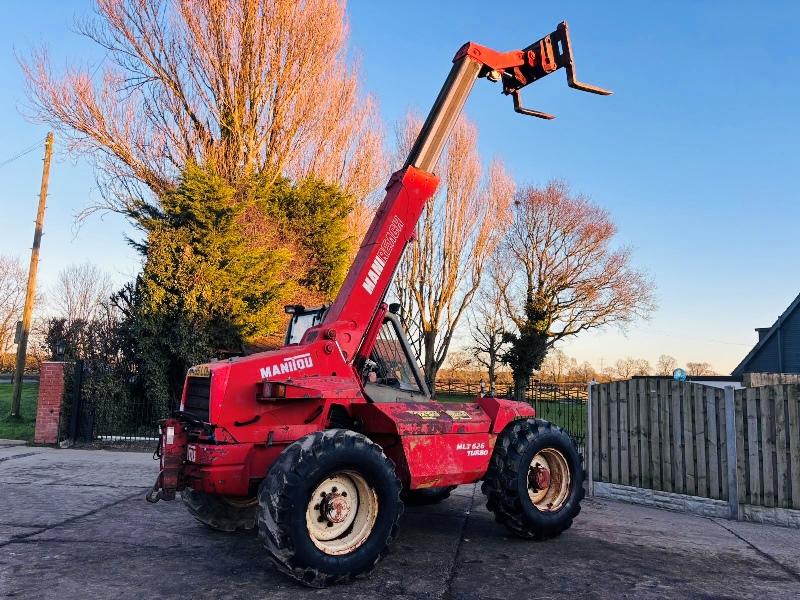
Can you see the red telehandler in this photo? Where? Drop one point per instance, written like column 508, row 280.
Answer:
column 320, row 442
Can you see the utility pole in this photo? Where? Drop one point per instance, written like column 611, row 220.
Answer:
column 30, row 294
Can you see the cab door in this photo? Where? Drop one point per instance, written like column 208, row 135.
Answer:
column 391, row 374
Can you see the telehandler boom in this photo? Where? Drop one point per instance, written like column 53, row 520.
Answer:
column 319, row 443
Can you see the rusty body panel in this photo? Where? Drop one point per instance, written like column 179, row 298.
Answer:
column 422, row 418
column 440, row 444
column 442, row 460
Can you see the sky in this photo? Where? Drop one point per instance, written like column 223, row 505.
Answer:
column 694, row 156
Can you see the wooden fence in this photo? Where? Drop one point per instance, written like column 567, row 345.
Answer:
column 737, row 445
column 768, row 445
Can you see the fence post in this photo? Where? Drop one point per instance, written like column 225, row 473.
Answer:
column 730, row 435
column 589, row 441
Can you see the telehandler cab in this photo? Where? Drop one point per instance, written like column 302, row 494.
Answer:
column 318, row 443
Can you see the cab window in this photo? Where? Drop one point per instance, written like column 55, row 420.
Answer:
column 390, row 363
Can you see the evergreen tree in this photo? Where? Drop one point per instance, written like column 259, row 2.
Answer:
column 203, row 289
column 313, row 215
column 210, row 281
column 528, row 346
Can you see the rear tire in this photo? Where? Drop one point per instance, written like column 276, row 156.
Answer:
column 534, row 484
column 426, row 496
column 329, row 507
column 221, row 513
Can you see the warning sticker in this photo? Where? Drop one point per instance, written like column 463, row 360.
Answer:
column 458, row 415
column 425, row 414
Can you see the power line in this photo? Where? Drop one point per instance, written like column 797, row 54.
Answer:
column 21, row 154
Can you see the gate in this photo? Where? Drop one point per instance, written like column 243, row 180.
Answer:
column 105, row 403
column 563, row 404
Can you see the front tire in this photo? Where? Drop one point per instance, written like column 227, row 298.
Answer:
column 534, row 485
column 329, row 507
column 221, row 513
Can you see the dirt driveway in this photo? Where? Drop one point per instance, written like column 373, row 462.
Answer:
column 74, row 524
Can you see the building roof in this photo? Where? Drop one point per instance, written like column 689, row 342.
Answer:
column 763, row 339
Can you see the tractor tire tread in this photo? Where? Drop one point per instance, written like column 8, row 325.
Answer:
column 295, row 464
column 500, row 483
column 213, row 512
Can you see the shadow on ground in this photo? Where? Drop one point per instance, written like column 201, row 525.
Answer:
column 75, row 525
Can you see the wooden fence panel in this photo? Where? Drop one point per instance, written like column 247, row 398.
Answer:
column 782, row 484
column 603, row 413
column 666, row 408
column 634, row 433
column 767, row 444
column 741, row 451
column 687, row 441
column 793, row 433
column 674, row 402
column 613, row 432
column 711, row 442
column 754, row 475
column 624, row 454
column 699, row 442
column 673, row 436
column 645, row 473
column 654, row 400
column 722, row 434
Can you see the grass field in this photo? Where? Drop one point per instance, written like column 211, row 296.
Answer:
column 21, row 429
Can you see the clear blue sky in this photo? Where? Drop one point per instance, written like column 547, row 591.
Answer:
column 695, row 156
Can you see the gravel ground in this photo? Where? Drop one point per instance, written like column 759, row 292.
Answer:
column 74, row 524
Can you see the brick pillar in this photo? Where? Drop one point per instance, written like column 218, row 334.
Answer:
column 51, row 392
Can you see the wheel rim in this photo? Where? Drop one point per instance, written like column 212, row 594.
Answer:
column 549, row 480
column 341, row 513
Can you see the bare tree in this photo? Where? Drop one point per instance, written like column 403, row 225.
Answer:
column 459, row 366
column 625, row 368
column 242, row 86
column 697, row 369
column 81, row 293
column 562, row 277
column 666, row 365
column 583, row 373
column 488, row 327
column 556, row 365
column 13, row 282
column 459, row 230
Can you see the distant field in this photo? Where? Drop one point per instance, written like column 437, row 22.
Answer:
column 18, row 429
